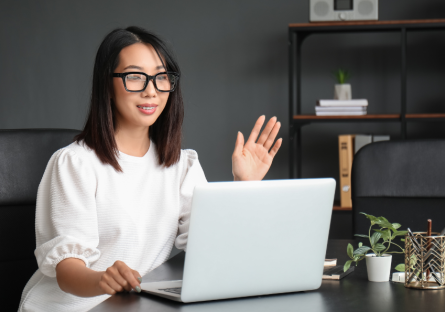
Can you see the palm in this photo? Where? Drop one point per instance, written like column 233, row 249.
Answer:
column 253, row 160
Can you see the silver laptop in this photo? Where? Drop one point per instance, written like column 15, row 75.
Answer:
column 253, row 238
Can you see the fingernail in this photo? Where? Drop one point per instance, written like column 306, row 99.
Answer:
column 138, row 289
column 140, row 279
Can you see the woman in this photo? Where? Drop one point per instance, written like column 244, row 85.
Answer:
column 111, row 205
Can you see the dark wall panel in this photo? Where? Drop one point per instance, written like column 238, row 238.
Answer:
column 234, row 60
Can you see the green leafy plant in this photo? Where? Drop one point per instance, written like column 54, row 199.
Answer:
column 387, row 232
column 341, row 76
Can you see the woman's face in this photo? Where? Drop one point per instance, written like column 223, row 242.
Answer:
column 138, row 57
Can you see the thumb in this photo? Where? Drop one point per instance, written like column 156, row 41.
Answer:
column 239, row 144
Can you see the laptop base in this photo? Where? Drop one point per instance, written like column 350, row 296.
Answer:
column 163, row 289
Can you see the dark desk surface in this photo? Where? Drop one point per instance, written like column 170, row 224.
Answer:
column 353, row 293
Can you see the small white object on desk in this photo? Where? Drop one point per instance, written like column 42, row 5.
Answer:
column 399, row 277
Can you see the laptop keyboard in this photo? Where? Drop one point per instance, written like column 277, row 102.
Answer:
column 176, row 290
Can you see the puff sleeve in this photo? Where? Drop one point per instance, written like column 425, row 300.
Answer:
column 66, row 218
column 193, row 175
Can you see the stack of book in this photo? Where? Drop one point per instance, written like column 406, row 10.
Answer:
column 341, row 107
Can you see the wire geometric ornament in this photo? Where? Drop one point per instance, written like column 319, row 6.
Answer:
column 424, row 261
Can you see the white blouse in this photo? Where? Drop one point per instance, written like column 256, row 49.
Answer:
column 88, row 210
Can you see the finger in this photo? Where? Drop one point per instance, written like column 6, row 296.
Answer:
column 106, row 288
column 127, row 274
column 256, row 129
column 137, row 275
column 239, row 144
column 266, row 131
column 272, row 136
column 276, row 147
column 112, row 283
column 115, row 280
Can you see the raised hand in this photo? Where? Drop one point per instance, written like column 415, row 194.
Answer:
column 253, row 160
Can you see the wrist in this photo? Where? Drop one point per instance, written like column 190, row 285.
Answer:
column 96, row 283
column 235, row 178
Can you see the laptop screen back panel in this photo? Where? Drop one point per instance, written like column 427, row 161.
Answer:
column 257, row 238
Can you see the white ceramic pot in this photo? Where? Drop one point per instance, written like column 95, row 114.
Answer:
column 343, row 92
column 379, row 268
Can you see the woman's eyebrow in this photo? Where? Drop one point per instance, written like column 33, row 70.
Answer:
column 133, row 67
column 140, row 68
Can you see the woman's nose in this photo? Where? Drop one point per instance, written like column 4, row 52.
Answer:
column 150, row 90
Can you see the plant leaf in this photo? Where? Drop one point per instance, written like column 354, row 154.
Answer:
column 384, row 224
column 361, row 250
column 386, row 234
column 379, row 247
column 371, row 218
column 375, row 238
column 341, row 75
column 396, row 225
column 400, row 267
column 350, row 251
column 360, row 244
column 347, row 265
column 383, row 219
column 361, row 235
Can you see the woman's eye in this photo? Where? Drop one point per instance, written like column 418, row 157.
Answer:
column 161, row 77
column 130, row 77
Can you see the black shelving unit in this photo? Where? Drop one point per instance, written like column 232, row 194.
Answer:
column 299, row 32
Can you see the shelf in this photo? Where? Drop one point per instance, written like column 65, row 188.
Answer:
column 425, row 117
column 376, row 117
column 338, row 208
column 368, row 25
column 297, row 35
column 379, row 116
column 304, row 119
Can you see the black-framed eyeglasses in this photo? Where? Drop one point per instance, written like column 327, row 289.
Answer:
column 137, row 81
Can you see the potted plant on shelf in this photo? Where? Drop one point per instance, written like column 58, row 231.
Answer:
column 378, row 261
column 342, row 89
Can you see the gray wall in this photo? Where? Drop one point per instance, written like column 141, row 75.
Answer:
column 234, row 60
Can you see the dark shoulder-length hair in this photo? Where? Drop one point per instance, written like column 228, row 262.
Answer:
column 98, row 133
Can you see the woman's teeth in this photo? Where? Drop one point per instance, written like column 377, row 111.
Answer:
column 146, row 108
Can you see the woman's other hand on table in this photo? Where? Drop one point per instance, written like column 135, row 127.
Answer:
column 119, row 277
column 75, row 278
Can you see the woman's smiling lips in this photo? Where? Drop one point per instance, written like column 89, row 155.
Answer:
column 147, row 109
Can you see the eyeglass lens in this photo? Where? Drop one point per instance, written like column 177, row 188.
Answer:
column 163, row 82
